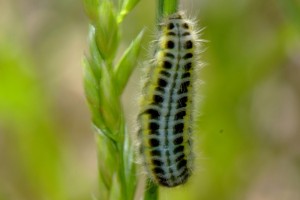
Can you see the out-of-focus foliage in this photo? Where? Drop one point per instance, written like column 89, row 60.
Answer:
column 40, row 154
column 28, row 127
column 247, row 144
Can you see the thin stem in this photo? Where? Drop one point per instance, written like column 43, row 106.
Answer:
column 165, row 8
column 152, row 191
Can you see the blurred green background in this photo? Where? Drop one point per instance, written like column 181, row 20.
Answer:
column 248, row 139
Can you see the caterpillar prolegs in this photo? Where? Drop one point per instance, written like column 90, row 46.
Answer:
column 165, row 119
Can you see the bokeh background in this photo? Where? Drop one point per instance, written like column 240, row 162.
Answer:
column 248, row 136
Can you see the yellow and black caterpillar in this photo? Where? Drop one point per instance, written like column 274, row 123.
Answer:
column 165, row 119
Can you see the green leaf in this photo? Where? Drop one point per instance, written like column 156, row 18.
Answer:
column 126, row 7
column 96, row 59
column 110, row 102
column 107, row 31
column 127, row 63
column 91, row 9
column 91, row 85
column 108, row 162
column 91, row 89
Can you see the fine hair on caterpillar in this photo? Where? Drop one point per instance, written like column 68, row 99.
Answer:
column 166, row 117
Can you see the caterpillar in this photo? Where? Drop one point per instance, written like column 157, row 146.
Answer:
column 166, row 115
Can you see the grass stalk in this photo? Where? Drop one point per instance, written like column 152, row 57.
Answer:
column 165, row 8
column 104, row 81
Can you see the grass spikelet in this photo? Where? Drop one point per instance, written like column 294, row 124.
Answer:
column 104, row 82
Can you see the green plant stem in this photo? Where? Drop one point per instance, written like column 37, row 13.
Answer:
column 152, row 190
column 165, row 8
